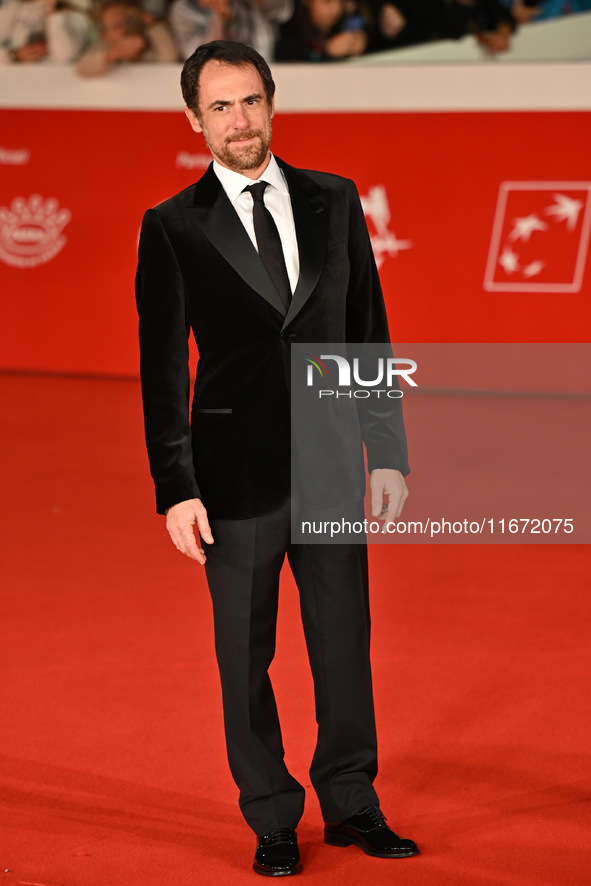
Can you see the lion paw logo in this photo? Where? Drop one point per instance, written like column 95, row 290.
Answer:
column 31, row 231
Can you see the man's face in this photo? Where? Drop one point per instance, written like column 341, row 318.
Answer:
column 324, row 14
column 114, row 23
column 234, row 116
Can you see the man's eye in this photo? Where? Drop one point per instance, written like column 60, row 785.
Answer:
column 220, row 108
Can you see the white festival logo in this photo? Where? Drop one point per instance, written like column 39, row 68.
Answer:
column 540, row 237
column 31, row 231
column 376, row 208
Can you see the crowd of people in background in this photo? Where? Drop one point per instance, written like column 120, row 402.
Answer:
column 98, row 34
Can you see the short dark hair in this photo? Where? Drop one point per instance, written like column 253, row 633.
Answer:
column 228, row 52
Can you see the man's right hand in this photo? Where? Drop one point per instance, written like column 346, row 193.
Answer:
column 31, row 52
column 180, row 520
column 128, row 49
column 392, row 22
column 345, row 44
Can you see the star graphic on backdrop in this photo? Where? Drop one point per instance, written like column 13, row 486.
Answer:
column 524, row 227
column 377, row 208
column 509, row 261
column 533, row 269
column 392, row 244
column 565, row 208
column 389, row 244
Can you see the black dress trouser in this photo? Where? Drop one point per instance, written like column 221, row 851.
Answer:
column 243, row 567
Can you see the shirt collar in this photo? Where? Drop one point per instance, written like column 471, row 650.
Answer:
column 234, row 183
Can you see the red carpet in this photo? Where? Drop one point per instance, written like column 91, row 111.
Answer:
column 112, row 765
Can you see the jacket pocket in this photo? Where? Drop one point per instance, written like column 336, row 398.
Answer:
column 214, row 411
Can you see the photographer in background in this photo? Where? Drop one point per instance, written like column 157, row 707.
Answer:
column 409, row 22
column 321, row 30
column 128, row 34
column 252, row 22
column 42, row 31
column 525, row 11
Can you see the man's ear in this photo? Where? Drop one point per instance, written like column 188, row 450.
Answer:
column 192, row 118
column 272, row 106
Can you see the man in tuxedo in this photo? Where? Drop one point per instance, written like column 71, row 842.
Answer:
column 250, row 271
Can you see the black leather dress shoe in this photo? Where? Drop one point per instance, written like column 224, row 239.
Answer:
column 277, row 854
column 368, row 830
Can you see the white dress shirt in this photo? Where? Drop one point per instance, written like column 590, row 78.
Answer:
column 277, row 202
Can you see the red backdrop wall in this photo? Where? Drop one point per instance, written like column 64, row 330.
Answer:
column 431, row 184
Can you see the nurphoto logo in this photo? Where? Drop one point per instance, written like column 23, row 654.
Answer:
column 31, row 231
column 368, row 374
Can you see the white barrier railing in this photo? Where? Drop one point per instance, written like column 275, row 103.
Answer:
column 313, row 88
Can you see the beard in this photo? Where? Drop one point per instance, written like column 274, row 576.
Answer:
column 242, row 157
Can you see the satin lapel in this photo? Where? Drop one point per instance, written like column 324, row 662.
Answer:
column 224, row 230
column 310, row 212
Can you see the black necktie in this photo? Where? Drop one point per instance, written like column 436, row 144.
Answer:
column 269, row 243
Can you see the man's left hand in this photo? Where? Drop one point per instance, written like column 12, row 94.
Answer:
column 388, row 494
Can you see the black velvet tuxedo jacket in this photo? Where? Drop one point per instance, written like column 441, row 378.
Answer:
column 199, row 271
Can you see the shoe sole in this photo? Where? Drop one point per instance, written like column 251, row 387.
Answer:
column 335, row 840
column 270, row 873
